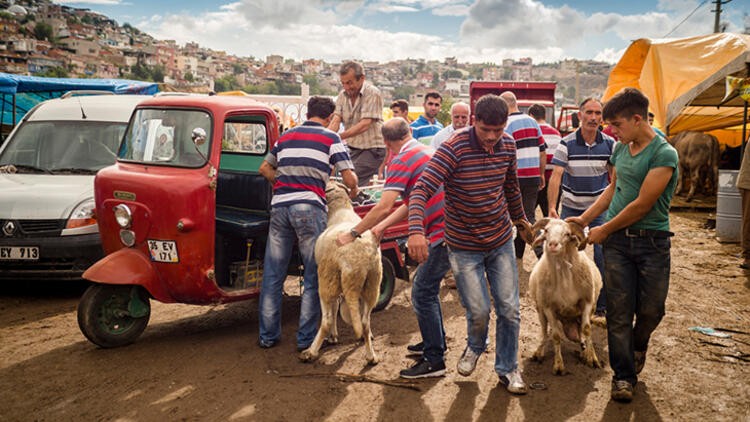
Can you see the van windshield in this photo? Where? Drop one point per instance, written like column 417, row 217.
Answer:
column 63, row 147
column 169, row 137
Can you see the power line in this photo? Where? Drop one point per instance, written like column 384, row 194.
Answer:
column 686, row 18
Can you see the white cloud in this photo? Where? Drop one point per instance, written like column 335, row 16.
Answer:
column 452, row 10
column 100, row 2
column 609, row 55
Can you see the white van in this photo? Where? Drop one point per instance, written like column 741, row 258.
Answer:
column 48, row 227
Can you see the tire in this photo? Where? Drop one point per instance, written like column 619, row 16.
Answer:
column 104, row 314
column 387, row 285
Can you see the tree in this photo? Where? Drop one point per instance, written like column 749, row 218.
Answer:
column 157, row 73
column 238, row 69
column 452, row 73
column 54, row 72
column 189, row 77
column 403, row 92
column 226, row 83
column 43, row 31
column 444, row 115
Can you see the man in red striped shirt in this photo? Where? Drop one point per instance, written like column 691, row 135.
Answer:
column 477, row 168
column 410, row 159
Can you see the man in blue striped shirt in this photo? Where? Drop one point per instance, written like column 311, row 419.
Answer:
column 299, row 166
column 427, row 125
column 581, row 162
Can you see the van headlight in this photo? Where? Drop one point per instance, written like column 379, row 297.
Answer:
column 84, row 214
column 123, row 216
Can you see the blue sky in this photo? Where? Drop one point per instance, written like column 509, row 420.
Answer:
column 383, row 30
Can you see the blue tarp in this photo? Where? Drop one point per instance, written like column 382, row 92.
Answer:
column 31, row 90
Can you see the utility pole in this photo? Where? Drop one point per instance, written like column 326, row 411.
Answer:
column 717, row 18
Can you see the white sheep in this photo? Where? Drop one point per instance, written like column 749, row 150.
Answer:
column 564, row 284
column 352, row 271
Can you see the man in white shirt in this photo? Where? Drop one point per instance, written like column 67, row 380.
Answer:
column 459, row 120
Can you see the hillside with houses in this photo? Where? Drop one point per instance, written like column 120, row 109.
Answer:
column 45, row 39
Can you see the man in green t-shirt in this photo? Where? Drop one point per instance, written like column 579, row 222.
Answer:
column 635, row 238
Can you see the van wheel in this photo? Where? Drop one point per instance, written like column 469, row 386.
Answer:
column 113, row 316
column 387, row 285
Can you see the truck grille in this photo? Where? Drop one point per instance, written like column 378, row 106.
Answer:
column 31, row 228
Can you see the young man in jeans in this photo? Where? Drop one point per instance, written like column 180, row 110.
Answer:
column 410, row 159
column 477, row 168
column 298, row 166
column 635, row 237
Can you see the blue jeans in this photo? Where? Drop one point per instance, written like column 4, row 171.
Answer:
column 601, row 303
column 303, row 223
column 637, row 271
column 426, row 302
column 473, row 270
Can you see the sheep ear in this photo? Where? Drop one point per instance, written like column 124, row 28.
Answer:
column 542, row 236
column 537, row 228
column 577, row 231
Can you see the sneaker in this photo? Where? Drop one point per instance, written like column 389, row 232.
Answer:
column 514, row 382
column 601, row 313
column 468, row 362
column 424, row 369
column 416, row 349
column 622, row 391
column 640, row 360
column 267, row 344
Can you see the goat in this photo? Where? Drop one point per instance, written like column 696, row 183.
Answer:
column 564, row 284
column 352, row 271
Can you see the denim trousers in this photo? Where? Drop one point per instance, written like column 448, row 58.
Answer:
column 303, row 223
column 426, row 301
column 601, row 303
column 529, row 193
column 637, row 273
column 473, row 270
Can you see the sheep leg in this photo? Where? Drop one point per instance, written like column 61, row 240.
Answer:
column 587, row 345
column 372, row 358
column 558, row 367
column 311, row 353
column 694, row 176
column 333, row 337
column 540, row 351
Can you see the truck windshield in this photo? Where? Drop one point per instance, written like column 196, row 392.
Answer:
column 167, row 137
column 63, row 147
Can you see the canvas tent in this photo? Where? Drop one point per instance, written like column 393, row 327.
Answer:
column 19, row 93
column 685, row 80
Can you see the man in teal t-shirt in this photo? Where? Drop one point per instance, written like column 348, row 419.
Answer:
column 635, row 238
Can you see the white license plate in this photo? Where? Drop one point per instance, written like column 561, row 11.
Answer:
column 163, row 250
column 19, row 253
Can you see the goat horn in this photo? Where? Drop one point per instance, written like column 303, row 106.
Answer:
column 578, row 232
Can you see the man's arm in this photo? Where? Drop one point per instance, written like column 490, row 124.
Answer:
column 267, row 171
column 542, row 167
column 653, row 186
column 399, row 215
column 553, row 190
column 599, row 206
column 360, row 127
column 335, row 123
column 373, row 217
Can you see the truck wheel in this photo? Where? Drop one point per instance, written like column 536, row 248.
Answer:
column 387, row 285
column 113, row 316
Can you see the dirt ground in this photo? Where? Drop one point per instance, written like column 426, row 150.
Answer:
column 202, row 363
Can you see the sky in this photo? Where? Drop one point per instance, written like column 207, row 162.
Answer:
column 474, row 31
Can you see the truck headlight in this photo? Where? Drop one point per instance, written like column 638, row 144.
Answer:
column 123, row 216
column 83, row 215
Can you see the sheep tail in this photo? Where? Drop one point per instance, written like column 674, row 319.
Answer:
column 352, row 302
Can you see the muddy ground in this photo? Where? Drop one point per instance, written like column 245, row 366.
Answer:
column 202, row 363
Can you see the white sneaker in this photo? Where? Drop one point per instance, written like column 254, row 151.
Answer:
column 514, row 382
column 468, row 362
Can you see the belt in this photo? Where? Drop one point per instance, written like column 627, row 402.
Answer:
column 628, row 232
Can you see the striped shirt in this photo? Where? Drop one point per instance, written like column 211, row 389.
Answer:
column 368, row 105
column 403, row 173
column 552, row 139
column 481, row 191
column 586, row 172
column 303, row 157
column 529, row 143
column 423, row 131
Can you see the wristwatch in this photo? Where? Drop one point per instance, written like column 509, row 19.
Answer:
column 355, row 234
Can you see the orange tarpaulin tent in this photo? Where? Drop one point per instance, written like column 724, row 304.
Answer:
column 684, row 80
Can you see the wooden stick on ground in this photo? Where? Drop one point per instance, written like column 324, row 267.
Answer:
column 358, row 378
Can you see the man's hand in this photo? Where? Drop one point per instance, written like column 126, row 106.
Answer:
column 598, row 235
column 418, row 248
column 344, row 239
column 543, row 182
column 378, row 231
column 354, row 192
column 553, row 213
column 578, row 220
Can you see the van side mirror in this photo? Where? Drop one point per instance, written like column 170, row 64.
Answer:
column 199, row 136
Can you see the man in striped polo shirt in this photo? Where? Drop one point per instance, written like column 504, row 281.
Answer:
column 427, row 125
column 299, row 166
column 532, row 159
column 410, row 159
column 477, row 167
column 581, row 162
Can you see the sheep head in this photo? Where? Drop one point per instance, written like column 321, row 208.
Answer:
column 337, row 196
column 556, row 234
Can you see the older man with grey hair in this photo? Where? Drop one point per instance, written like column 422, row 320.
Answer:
column 459, row 120
column 359, row 107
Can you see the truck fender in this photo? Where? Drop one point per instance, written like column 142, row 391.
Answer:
column 128, row 266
